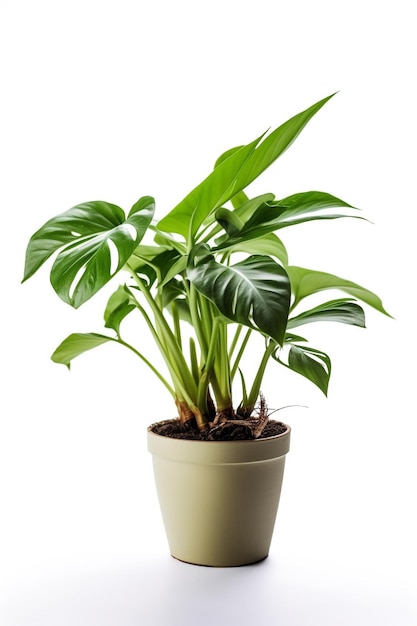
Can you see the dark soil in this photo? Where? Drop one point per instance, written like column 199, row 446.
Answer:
column 227, row 431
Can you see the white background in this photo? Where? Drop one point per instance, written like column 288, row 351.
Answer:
column 115, row 100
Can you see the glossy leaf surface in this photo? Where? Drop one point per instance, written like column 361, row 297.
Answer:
column 254, row 292
column 236, row 169
column 342, row 310
column 102, row 240
column 274, row 215
column 214, row 191
column 313, row 364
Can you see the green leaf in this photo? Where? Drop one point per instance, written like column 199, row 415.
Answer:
column 341, row 310
column 291, row 338
column 163, row 265
column 271, row 216
column 254, row 292
column 229, row 221
column 270, row 245
column 226, row 155
column 177, row 267
column 305, row 282
column 306, row 202
column 234, row 170
column 275, row 144
column 76, row 344
column 314, row 365
column 102, row 241
column 68, row 227
column 183, row 310
column 245, row 210
column 172, row 290
column 119, row 305
column 210, row 194
column 145, row 253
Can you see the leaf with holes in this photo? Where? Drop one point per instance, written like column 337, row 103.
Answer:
column 101, row 240
column 254, row 292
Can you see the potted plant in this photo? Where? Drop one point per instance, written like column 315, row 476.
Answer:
column 207, row 279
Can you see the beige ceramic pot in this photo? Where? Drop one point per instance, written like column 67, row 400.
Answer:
column 219, row 499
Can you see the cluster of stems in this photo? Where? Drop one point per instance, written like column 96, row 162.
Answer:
column 201, row 385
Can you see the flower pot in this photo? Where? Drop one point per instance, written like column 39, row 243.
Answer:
column 219, row 499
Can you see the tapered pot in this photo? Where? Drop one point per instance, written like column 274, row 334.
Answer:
column 219, row 499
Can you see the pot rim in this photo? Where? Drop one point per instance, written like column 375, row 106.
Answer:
column 218, row 452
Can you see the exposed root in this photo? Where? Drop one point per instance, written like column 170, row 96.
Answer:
column 263, row 417
column 227, row 423
column 245, row 423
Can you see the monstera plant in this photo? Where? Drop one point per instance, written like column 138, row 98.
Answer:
column 203, row 279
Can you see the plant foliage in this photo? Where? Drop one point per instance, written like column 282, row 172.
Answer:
column 216, row 266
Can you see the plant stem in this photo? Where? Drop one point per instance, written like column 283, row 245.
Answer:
column 220, row 372
column 193, row 299
column 169, row 346
column 240, row 353
column 235, row 340
column 149, row 364
column 256, row 385
column 176, row 319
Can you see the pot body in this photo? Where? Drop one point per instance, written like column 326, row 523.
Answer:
column 219, row 499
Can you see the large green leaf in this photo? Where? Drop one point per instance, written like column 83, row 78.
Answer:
column 305, row 282
column 275, row 144
column 254, row 292
column 271, row 216
column 77, row 344
column 234, row 171
column 80, row 221
column 210, row 194
column 102, row 240
column 342, row 310
column 306, row 202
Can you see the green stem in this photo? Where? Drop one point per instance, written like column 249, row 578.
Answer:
column 177, row 326
column 180, row 391
column 235, row 340
column 168, row 344
column 193, row 300
column 256, row 385
column 240, row 353
column 149, row 364
column 193, row 360
column 220, row 372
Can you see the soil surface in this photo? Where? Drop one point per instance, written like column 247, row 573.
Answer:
column 227, row 431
